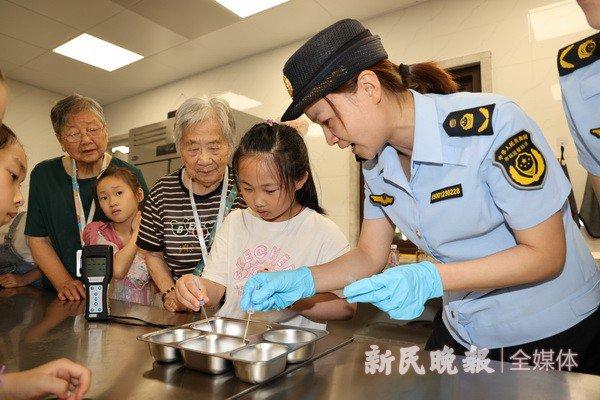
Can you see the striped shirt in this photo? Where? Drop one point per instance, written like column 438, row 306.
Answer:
column 168, row 222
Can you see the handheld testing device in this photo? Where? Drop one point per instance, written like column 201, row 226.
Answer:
column 95, row 267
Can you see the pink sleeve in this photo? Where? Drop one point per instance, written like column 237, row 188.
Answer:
column 99, row 232
column 90, row 233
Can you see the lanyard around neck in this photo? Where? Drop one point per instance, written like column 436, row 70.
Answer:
column 82, row 221
column 220, row 215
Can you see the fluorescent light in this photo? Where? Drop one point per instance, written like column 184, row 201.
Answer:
column 122, row 149
column 97, row 52
column 245, row 8
column 557, row 19
column 556, row 92
column 238, row 101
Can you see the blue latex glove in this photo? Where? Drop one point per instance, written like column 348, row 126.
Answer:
column 277, row 290
column 400, row 291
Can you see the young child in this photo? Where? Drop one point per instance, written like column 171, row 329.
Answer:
column 14, row 270
column 13, row 169
column 282, row 220
column 120, row 195
column 17, row 267
column 62, row 377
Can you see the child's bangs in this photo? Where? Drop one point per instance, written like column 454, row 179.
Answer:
column 270, row 161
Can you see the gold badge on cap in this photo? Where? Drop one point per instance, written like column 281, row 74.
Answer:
column 521, row 162
column 288, row 86
column 595, row 132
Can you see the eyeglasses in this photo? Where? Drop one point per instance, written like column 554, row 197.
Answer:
column 74, row 135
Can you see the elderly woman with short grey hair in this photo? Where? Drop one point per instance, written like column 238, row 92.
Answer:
column 185, row 208
column 60, row 192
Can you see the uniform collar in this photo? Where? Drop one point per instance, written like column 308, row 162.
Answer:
column 427, row 145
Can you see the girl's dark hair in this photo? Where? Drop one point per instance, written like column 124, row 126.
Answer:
column 7, row 136
column 1, row 77
column 118, row 172
column 289, row 154
column 426, row 77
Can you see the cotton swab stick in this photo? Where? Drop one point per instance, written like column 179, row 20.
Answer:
column 247, row 324
column 202, row 309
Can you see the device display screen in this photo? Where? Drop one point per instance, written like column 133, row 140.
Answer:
column 95, row 266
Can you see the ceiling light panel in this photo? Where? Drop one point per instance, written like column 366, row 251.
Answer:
column 557, row 19
column 238, row 101
column 245, row 8
column 97, row 52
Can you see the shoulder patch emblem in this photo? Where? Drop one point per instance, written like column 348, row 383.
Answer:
column 595, row 132
column 382, row 199
column 446, row 193
column 521, row 162
column 475, row 121
column 288, row 86
column 578, row 55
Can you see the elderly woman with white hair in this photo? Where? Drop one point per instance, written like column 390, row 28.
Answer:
column 185, row 208
column 60, row 192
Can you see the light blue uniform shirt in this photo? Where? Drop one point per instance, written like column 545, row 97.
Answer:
column 579, row 70
column 476, row 219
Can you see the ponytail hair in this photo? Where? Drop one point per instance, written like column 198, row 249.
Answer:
column 426, row 77
column 284, row 146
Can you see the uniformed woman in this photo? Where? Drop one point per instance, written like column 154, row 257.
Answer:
column 470, row 179
column 579, row 77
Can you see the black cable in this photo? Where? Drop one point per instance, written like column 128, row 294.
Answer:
column 116, row 318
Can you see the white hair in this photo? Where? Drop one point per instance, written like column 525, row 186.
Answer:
column 71, row 105
column 197, row 110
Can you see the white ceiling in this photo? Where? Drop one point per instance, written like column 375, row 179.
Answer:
column 178, row 38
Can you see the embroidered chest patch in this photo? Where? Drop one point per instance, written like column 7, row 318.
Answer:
column 382, row 199
column 450, row 192
column 521, row 162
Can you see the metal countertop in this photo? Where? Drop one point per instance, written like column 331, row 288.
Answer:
column 36, row 328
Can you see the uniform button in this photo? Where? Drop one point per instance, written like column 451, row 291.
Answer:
column 453, row 314
column 419, row 235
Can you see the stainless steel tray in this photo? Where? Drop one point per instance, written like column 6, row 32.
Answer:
column 219, row 347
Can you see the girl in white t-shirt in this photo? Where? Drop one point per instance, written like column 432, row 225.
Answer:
column 283, row 228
